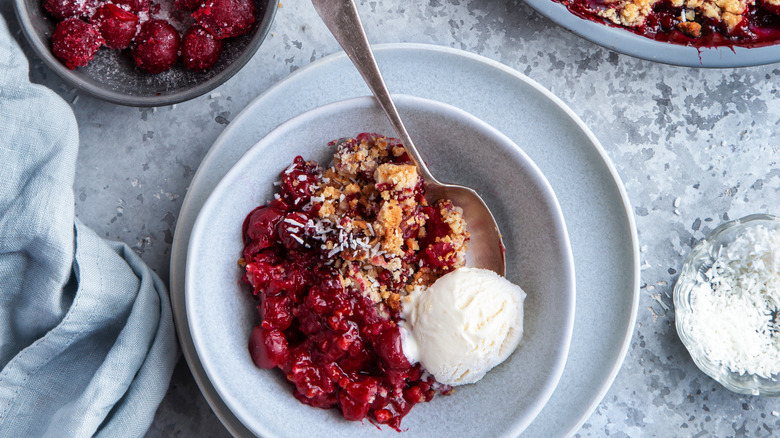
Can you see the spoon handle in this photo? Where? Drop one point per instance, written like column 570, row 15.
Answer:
column 342, row 19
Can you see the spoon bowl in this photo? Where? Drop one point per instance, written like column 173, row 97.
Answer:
column 486, row 249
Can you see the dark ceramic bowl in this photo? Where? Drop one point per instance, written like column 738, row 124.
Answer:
column 113, row 77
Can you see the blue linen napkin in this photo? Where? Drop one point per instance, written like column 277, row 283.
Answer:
column 87, row 342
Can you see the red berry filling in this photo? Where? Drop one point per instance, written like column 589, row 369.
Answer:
column 188, row 5
column 156, row 46
column 75, row 42
column 116, row 25
column 199, row 49
column 328, row 261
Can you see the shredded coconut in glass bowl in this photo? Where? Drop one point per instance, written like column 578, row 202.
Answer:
column 727, row 301
column 735, row 311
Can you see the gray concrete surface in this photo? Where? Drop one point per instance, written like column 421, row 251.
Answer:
column 694, row 148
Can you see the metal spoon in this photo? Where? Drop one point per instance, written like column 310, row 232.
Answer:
column 486, row 249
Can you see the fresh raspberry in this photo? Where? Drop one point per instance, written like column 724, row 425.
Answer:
column 199, row 49
column 157, row 46
column 226, row 18
column 116, row 25
column 75, row 42
column 62, row 9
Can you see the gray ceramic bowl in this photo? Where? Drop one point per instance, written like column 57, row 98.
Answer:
column 459, row 148
column 693, row 272
column 112, row 76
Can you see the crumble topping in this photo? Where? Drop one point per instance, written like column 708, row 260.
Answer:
column 388, row 221
column 630, row 13
column 398, row 177
column 372, row 199
column 634, row 13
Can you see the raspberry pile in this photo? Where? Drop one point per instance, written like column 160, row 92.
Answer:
column 146, row 29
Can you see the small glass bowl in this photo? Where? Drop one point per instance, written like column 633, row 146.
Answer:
column 698, row 262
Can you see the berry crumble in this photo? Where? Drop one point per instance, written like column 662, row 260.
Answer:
column 329, row 260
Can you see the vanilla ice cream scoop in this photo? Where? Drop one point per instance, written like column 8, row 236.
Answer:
column 463, row 325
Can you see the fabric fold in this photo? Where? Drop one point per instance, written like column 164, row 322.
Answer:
column 87, row 342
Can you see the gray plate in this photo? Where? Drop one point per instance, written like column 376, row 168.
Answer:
column 623, row 41
column 221, row 312
column 594, row 203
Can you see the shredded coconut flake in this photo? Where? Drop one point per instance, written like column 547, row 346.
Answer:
column 293, row 222
column 334, row 251
column 735, row 311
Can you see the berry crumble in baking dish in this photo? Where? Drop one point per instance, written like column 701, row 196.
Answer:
column 699, row 23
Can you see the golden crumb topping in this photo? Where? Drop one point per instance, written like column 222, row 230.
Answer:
column 397, row 176
column 630, row 13
column 387, row 225
column 372, row 210
column 634, row 13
